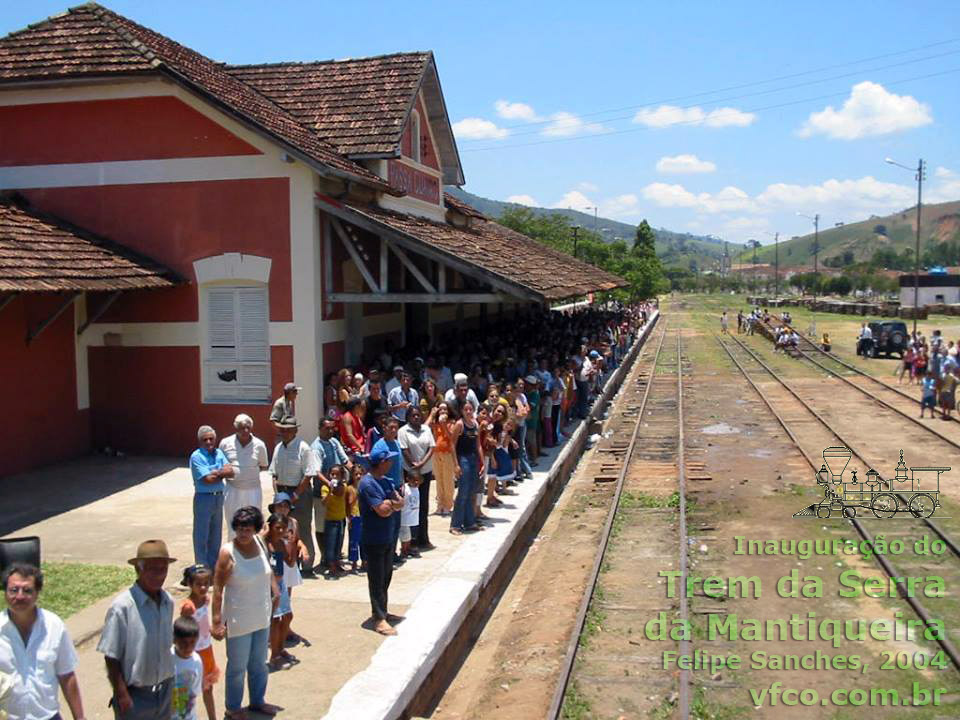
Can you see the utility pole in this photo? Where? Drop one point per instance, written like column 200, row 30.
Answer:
column 776, row 265
column 576, row 229
column 920, row 171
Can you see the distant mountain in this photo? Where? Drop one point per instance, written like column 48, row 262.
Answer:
column 674, row 249
column 897, row 231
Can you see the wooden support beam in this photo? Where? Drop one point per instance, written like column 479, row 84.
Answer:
column 410, row 265
column 415, row 297
column 384, row 264
column 441, row 277
column 33, row 334
column 354, row 255
column 104, row 306
column 8, row 299
column 327, row 259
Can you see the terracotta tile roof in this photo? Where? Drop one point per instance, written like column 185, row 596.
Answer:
column 358, row 105
column 42, row 253
column 511, row 256
column 455, row 203
column 90, row 40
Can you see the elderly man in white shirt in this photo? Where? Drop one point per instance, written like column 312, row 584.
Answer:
column 35, row 651
column 248, row 455
column 294, row 466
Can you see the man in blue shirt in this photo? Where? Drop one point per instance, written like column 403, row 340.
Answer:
column 388, row 443
column 379, row 504
column 209, row 467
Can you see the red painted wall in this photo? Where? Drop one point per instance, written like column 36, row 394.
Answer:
column 145, row 128
column 38, row 387
column 177, row 223
column 428, row 153
column 162, row 416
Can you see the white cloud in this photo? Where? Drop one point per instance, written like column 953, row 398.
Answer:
column 838, row 197
column 565, row 124
column 870, row 110
column 667, row 115
column 620, row 206
column 728, row 199
column 515, row 111
column 523, row 200
column 942, row 172
column 684, row 164
column 587, row 186
column 478, row 129
column 575, row 200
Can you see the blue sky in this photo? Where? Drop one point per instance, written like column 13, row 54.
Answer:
column 715, row 118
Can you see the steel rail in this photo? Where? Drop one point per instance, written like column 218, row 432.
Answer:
column 942, row 534
column 684, row 680
column 556, row 703
column 948, row 647
column 884, row 403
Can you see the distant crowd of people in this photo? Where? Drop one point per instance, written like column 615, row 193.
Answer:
column 362, row 485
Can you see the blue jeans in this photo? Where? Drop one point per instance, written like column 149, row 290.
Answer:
column 333, row 539
column 522, row 442
column 246, row 655
column 355, row 551
column 582, row 390
column 207, row 527
column 463, row 516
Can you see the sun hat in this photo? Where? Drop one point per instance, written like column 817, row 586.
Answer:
column 531, row 380
column 289, row 387
column 280, row 497
column 152, row 550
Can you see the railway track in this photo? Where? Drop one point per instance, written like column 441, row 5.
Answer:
column 654, row 415
column 820, row 433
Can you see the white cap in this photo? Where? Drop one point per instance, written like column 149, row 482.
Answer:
column 460, row 378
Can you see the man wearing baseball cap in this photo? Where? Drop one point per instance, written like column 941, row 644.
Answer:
column 379, row 501
column 285, row 406
column 136, row 639
column 459, row 394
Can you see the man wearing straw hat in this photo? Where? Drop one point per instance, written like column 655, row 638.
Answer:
column 136, row 639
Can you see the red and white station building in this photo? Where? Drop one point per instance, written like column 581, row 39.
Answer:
column 179, row 237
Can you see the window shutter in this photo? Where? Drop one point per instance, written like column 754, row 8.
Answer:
column 237, row 358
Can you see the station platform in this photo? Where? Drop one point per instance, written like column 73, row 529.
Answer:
column 346, row 672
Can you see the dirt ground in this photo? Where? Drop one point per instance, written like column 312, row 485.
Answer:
column 757, row 481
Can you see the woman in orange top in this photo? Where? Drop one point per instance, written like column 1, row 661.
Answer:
column 444, row 463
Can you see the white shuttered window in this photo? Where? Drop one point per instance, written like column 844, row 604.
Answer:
column 237, row 353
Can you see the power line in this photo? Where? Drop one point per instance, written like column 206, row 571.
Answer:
column 696, row 121
column 757, row 93
column 749, row 84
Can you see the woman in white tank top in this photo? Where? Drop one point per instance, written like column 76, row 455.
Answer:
column 244, row 592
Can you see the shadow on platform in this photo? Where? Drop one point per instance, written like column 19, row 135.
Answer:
column 30, row 497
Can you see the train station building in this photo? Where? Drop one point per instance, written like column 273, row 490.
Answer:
column 179, row 237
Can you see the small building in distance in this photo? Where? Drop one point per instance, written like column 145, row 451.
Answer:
column 934, row 289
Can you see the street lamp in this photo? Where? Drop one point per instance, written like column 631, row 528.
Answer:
column 919, row 173
column 816, row 267
column 776, row 263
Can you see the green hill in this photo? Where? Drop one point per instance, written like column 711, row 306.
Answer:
column 674, row 249
column 857, row 242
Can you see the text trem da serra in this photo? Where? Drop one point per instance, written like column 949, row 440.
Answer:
column 809, row 627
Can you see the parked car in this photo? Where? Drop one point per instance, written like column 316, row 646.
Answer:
column 888, row 338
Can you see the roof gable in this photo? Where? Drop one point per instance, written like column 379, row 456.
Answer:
column 361, row 106
column 90, row 40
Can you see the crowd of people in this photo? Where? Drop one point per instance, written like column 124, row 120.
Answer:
column 364, row 482
column 933, row 365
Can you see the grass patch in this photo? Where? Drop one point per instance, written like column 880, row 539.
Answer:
column 70, row 587
column 593, row 622
column 575, row 704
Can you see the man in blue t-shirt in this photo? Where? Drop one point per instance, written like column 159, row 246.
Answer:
column 379, row 504
column 209, row 467
column 388, row 443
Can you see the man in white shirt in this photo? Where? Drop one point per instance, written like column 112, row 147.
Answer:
column 293, row 467
column 866, row 340
column 394, row 382
column 35, row 651
column 459, row 394
column 248, row 455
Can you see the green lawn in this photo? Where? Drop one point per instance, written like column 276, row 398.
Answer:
column 70, row 587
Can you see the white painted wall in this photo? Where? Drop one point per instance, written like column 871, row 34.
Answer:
column 928, row 295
